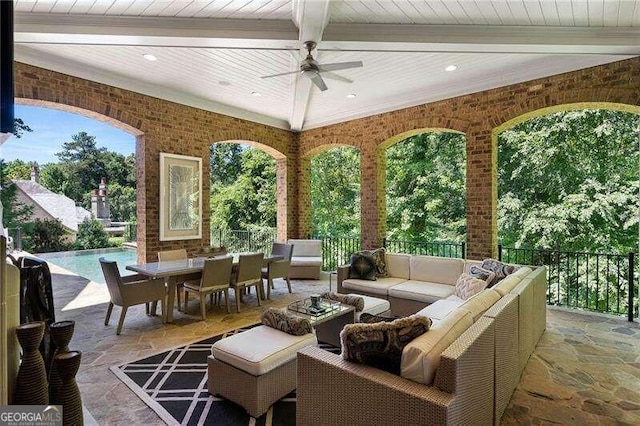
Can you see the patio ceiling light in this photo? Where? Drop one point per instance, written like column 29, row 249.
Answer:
column 451, row 68
column 256, row 94
column 351, row 95
column 150, row 57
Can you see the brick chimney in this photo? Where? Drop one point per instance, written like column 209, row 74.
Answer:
column 100, row 204
column 35, row 174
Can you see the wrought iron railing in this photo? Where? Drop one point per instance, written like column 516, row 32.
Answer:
column 601, row 282
column 130, row 232
column 337, row 251
column 437, row 248
column 236, row 240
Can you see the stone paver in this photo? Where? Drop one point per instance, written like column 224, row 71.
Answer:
column 585, row 370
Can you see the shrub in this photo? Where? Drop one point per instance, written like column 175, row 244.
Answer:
column 91, row 235
column 41, row 236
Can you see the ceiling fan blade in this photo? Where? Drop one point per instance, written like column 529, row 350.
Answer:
column 278, row 75
column 340, row 66
column 317, row 80
column 333, row 76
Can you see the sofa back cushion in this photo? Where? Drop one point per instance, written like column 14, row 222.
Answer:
column 442, row 270
column 398, row 265
column 421, row 357
column 306, row 247
column 507, row 284
column 469, row 263
column 479, row 303
column 522, row 272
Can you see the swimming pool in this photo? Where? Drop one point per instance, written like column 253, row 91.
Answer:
column 85, row 262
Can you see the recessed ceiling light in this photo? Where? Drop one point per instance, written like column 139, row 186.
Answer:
column 451, row 68
column 351, row 95
column 150, row 57
column 256, row 94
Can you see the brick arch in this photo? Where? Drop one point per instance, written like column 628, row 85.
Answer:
column 304, row 174
column 160, row 126
column 525, row 116
column 381, row 174
column 281, row 184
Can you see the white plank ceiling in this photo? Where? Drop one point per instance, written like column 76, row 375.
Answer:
column 212, row 53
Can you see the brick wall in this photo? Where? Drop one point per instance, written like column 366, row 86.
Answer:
column 160, row 126
column 477, row 116
column 163, row 126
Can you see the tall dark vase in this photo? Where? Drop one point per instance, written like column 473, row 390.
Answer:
column 31, row 387
column 68, row 394
column 61, row 333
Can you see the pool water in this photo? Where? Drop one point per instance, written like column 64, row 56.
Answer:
column 85, row 262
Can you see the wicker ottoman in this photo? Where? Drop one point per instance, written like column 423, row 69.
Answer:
column 255, row 368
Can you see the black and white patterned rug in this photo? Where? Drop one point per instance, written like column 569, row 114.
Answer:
column 174, row 385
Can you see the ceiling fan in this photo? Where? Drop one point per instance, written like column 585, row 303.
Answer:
column 310, row 68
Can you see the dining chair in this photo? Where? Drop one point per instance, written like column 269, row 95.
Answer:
column 249, row 274
column 216, row 276
column 169, row 255
column 130, row 290
column 278, row 268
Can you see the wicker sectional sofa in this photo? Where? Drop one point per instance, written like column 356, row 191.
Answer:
column 462, row 371
column 306, row 261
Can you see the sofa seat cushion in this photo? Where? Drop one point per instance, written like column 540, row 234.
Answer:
column 440, row 309
column 381, row 286
column 479, row 303
column 444, row 270
column 306, row 261
column 260, row 349
column 306, row 247
column 373, row 305
column 421, row 357
column 420, row 291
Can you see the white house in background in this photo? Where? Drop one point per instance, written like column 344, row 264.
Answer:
column 47, row 205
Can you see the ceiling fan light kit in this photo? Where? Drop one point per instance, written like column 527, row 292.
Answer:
column 311, row 69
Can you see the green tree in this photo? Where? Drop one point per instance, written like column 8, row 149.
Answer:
column 225, row 162
column 426, row 188
column 14, row 214
column 569, row 180
column 122, row 202
column 19, row 170
column 242, row 188
column 84, row 164
column 43, row 236
column 19, row 127
column 335, row 192
column 55, row 177
column 91, row 235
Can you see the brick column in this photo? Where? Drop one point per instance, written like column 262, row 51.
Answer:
column 304, row 197
column 369, row 201
column 482, row 190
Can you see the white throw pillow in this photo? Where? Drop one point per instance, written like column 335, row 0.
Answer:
column 467, row 286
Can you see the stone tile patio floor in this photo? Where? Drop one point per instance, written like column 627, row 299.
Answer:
column 585, row 369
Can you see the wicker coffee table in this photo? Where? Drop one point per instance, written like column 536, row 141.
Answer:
column 327, row 324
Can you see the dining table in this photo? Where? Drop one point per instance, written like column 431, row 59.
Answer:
column 176, row 271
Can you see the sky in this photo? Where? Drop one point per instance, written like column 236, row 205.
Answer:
column 51, row 128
